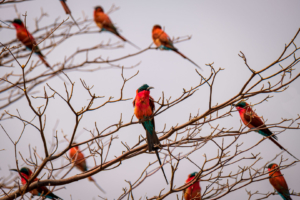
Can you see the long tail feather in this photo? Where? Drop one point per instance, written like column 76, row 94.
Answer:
column 74, row 21
column 188, row 59
column 162, row 168
column 47, row 65
column 281, row 147
column 44, row 61
column 98, row 186
column 125, row 40
column 66, row 8
column 68, row 11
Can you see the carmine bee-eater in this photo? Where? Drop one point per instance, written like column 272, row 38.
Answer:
column 164, row 42
column 28, row 40
column 278, row 182
column 40, row 191
column 105, row 24
column 77, row 156
column 143, row 110
column 194, row 191
column 253, row 121
column 67, row 10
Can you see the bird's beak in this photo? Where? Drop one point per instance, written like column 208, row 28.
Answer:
column 13, row 170
column 149, row 88
column 233, row 104
column 6, row 23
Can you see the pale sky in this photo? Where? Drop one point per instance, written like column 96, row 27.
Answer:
column 219, row 29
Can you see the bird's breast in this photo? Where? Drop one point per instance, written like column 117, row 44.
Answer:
column 142, row 109
column 157, row 42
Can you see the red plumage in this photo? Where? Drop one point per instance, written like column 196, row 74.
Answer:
column 28, row 40
column 163, row 41
column 39, row 191
column 194, row 191
column 80, row 163
column 278, row 182
column 105, row 24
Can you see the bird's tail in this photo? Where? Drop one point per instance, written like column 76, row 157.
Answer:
column 281, row 147
column 180, row 54
column 68, row 11
column 162, row 168
column 125, row 40
column 41, row 56
column 98, row 186
column 44, row 61
column 152, row 139
column 65, row 6
column 285, row 196
column 187, row 58
column 52, row 196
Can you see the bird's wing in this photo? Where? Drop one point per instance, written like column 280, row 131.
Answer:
column 133, row 103
column 28, row 40
column 108, row 25
column 151, row 102
column 255, row 121
column 164, row 39
column 280, row 185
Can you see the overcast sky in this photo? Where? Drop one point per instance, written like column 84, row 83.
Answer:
column 219, row 29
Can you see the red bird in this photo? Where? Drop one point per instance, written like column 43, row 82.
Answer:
column 278, row 182
column 164, row 42
column 253, row 121
column 28, row 40
column 105, row 24
column 40, row 191
column 194, row 191
column 143, row 110
column 77, row 156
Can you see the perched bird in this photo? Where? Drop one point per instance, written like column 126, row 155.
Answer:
column 77, row 156
column 27, row 39
column 194, row 191
column 163, row 41
column 39, row 191
column 67, row 10
column 253, row 121
column 105, row 24
column 278, row 182
column 143, row 110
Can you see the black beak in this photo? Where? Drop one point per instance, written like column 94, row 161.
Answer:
column 233, row 104
column 13, row 170
column 6, row 23
column 149, row 88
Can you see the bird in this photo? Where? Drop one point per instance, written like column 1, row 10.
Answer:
column 27, row 39
column 78, row 158
column 164, row 42
column 143, row 110
column 105, row 24
column 194, row 191
column 278, row 182
column 253, row 121
column 39, row 191
column 67, row 10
